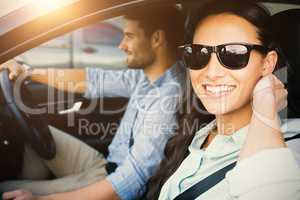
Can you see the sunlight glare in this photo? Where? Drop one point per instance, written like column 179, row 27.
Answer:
column 49, row 5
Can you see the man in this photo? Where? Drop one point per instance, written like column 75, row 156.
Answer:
column 154, row 83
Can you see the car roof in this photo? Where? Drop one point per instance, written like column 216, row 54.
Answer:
column 24, row 26
column 9, row 6
column 23, row 29
column 44, row 5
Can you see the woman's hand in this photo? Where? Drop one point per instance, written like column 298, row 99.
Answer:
column 14, row 68
column 18, row 195
column 269, row 97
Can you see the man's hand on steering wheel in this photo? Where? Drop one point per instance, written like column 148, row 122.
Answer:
column 35, row 130
column 14, row 68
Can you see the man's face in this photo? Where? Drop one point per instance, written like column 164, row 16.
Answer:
column 137, row 46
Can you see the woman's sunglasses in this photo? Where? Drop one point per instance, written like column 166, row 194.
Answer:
column 232, row 55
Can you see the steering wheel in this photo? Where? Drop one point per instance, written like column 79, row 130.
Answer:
column 35, row 130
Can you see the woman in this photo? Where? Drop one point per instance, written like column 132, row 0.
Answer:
column 231, row 57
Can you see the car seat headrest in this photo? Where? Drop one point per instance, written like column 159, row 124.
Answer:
column 287, row 31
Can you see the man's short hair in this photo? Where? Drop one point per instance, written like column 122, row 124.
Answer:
column 166, row 18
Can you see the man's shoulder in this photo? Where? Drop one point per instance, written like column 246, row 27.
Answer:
column 177, row 78
column 167, row 102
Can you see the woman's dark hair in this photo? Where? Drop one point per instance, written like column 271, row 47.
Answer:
column 192, row 117
column 256, row 14
column 177, row 147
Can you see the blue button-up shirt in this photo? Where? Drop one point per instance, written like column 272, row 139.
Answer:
column 150, row 120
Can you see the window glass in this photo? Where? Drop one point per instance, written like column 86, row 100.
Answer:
column 278, row 7
column 97, row 45
column 92, row 46
column 54, row 53
column 103, row 34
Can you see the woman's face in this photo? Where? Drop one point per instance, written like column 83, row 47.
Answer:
column 222, row 90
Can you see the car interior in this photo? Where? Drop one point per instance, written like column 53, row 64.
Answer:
column 106, row 113
column 288, row 32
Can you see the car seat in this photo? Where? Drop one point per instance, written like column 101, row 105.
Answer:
column 287, row 30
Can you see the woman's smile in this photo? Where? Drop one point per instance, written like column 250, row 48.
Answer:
column 218, row 91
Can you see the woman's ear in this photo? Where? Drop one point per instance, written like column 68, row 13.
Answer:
column 269, row 62
column 158, row 38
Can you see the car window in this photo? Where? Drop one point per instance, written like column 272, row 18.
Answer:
column 95, row 45
column 103, row 34
column 54, row 53
column 278, row 7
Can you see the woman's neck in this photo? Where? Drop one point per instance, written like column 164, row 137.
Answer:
column 229, row 123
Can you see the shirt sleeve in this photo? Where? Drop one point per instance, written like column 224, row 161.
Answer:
column 110, row 83
column 270, row 174
column 130, row 178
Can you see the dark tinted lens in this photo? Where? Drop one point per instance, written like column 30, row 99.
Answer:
column 196, row 57
column 234, row 56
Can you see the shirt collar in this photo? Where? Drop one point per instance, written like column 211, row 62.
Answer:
column 170, row 73
column 235, row 140
column 200, row 137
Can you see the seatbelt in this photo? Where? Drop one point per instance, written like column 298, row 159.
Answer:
column 292, row 138
column 205, row 184
column 212, row 180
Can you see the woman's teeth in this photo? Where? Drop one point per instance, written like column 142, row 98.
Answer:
column 218, row 89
